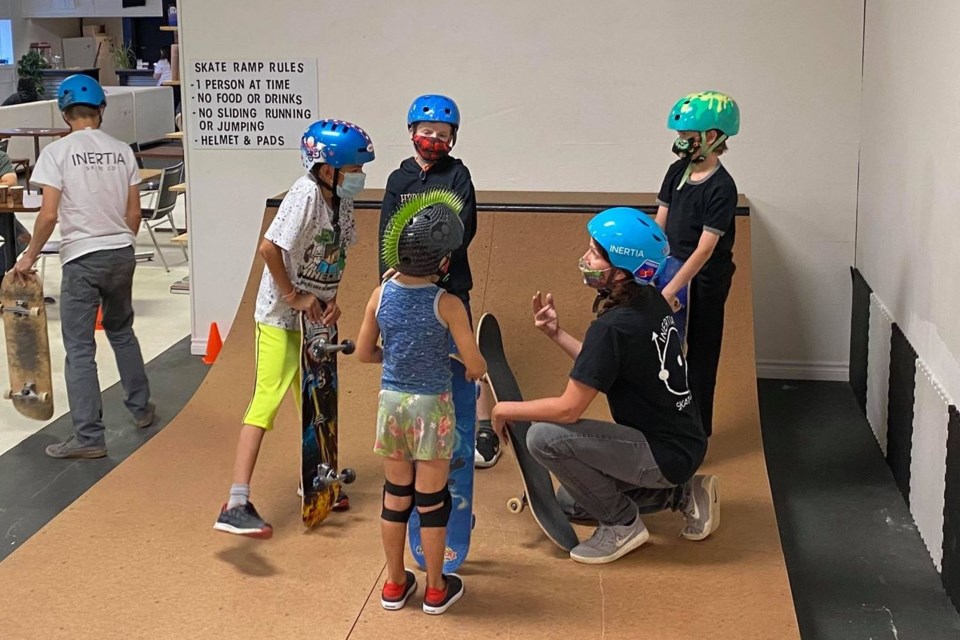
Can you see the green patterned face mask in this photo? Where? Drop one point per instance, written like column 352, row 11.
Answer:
column 593, row 278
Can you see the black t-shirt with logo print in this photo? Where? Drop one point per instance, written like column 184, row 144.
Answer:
column 711, row 204
column 633, row 354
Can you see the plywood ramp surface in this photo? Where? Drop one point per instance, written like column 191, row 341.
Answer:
column 136, row 556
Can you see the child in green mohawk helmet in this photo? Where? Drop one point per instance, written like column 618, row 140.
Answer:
column 697, row 203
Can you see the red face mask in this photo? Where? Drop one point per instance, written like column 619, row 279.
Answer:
column 431, row 149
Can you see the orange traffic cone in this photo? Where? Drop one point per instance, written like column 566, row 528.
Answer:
column 214, row 343
column 99, row 318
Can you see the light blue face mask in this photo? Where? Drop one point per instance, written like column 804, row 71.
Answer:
column 352, row 185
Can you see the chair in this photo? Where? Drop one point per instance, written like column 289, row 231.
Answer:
column 162, row 211
column 150, row 185
column 18, row 163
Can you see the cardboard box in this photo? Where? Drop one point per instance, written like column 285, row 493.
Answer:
column 92, row 29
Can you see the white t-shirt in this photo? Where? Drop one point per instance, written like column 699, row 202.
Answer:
column 94, row 172
column 303, row 228
column 162, row 71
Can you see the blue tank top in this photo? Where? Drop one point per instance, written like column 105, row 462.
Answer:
column 416, row 342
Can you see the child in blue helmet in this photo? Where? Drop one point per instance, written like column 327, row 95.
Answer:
column 415, row 419
column 90, row 186
column 434, row 123
column 305, row 251
column 645, row 461
column 697, row 204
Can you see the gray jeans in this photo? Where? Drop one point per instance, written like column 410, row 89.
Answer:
column 100, row 278
column 607, row 468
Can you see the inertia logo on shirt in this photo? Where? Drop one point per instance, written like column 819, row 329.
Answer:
column 626, row 251
column 98, row 158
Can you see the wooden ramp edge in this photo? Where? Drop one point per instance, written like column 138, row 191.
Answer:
column 136, row 556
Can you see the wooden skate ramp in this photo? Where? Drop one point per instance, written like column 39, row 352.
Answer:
column 136, row 556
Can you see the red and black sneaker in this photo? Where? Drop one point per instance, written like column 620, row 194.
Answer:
column 437, row 601
column 342, row 503
column 394, row 596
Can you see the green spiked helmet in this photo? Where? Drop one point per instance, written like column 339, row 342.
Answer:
column 705, row 111
column 422, row 232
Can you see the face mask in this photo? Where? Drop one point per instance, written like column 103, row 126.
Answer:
column 431, row 149
column 352, row 185
column 685, row 147
column 593, row 278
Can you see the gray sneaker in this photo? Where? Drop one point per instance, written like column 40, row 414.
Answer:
column 702, row 511
column 71, row 449
column 610, row 542
column 146, row 419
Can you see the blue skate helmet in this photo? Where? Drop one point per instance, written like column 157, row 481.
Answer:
column 434, row 108
column 337, row 143
column 80, row 89
column 633, row 241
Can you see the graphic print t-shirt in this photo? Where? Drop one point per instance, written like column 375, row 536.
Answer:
column 94, row 172
column 634, row 355
column 314, row 258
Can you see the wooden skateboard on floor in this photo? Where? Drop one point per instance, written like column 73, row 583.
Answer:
column 320, row 474
column 28, row 346
column 538, row 492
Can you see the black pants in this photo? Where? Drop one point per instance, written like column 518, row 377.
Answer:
column 708, row 295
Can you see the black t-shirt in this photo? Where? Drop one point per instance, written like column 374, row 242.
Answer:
column 708, row 204
column 409, row 179
column 633, row 355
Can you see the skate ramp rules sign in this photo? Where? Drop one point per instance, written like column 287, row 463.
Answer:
column 250, row 104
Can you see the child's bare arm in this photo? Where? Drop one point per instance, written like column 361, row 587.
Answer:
column 308, row 303
column 453, row 313
column 367, row 349
column 690, row 268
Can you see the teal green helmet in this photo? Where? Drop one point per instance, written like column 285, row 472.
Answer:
column 705, row 111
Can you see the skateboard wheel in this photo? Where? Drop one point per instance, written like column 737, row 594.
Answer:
column 348, row 347
column 347, row 476
column 515, row 505
column 34, row 311
column 43, row 396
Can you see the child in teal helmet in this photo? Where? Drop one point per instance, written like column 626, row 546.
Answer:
column 305, row 252
column 697, row 203
column 612, row 472
column 90, row 188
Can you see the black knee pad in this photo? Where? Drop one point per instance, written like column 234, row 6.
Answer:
column 437, row 517
column 400, row 491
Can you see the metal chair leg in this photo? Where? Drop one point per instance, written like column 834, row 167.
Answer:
column 157, row 245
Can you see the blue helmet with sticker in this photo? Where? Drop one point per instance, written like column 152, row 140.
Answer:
column 434, row 108
column 80, row 89
column 337, row 143
column 632, row 240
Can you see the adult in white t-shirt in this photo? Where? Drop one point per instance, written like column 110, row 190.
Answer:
column 89, row 182
column 162, row 72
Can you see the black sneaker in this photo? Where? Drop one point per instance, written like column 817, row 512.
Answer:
column 243, row 520
column 395, row 596
column 488, row 448
column 436, row 601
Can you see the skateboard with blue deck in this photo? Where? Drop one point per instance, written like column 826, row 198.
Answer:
column 460, row 481
column 681, row 317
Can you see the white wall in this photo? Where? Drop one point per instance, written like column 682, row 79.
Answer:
column 569, row 97
column 907, row 245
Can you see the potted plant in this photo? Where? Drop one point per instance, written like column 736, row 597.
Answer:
column 124, row 57
column 29, row 66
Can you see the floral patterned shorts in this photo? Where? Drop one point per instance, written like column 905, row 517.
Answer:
column 412, row 426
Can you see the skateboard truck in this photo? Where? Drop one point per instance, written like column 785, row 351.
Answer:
column 320, row 347
column 21, row 309
column 327, row 477
column 28, row 393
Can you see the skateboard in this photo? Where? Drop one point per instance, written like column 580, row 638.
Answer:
column 320, row 475
column 681, row 317
column 28, row 346
column 538, row 491
column 460, row 481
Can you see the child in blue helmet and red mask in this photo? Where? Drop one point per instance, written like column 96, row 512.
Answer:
column 305, row 253
column 698, row 202
column 645, row 461
column 434, row 123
